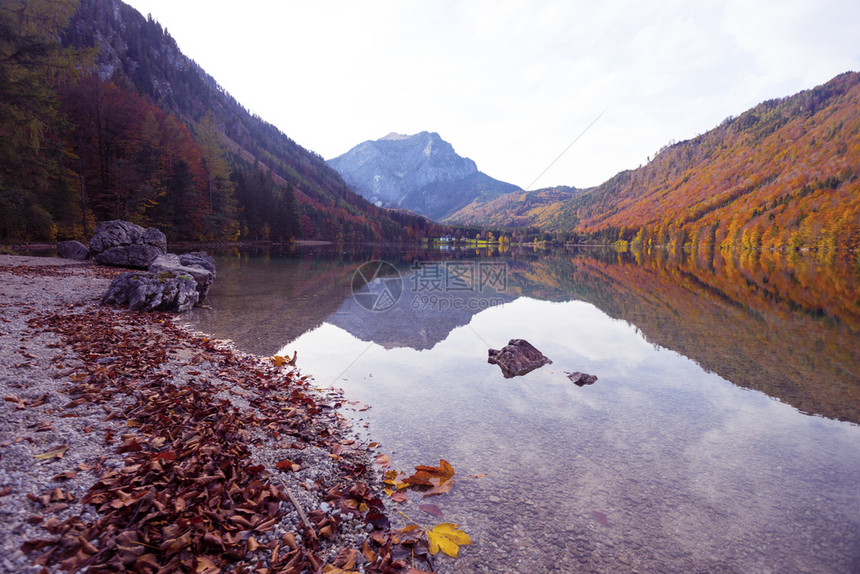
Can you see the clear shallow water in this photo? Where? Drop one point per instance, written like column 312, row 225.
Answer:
column 658, row 466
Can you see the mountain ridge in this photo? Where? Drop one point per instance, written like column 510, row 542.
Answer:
column 515, row 209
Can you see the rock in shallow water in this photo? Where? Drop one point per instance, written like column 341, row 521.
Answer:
column 197, row 264
column 517, row 358
column 581, row 379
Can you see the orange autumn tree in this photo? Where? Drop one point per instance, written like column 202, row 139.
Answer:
column 132, row 161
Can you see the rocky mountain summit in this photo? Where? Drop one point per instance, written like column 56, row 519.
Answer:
column 420, row 172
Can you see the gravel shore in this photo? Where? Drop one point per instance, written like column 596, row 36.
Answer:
column 129, row 442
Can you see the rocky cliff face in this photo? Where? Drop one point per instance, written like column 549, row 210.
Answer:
column 421, row 173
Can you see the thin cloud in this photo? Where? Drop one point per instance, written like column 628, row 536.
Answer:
column 510, row 83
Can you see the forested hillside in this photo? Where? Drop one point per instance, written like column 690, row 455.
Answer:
column 103, row 118
column 516, row 209
column 785, row 174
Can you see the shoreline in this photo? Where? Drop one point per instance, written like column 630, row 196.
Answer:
column 128, row 440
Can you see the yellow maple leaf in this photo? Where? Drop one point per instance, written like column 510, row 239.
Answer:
column 447, row 538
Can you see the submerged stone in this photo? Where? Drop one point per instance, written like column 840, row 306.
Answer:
column 581, row 379
column 517, row 358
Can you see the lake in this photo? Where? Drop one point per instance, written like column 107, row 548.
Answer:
column 721, row 434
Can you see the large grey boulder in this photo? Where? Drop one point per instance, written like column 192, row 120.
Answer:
column 137, row 256
column 198, row 265
column 125, row 244
column 517, row 358
column 144, row 291
column 155, row 237
column 72, row 250
column 198, row 259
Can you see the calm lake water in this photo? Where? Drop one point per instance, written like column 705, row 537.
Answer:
column 721, row 435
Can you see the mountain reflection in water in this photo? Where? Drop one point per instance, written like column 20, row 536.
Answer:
column 672, row 461
column 786, row 326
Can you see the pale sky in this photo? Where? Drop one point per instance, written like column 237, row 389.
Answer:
column 511, row 84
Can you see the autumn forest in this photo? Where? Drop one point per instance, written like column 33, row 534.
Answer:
column 103, row 118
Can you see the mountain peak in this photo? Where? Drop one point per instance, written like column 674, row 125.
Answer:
column 394, row 136
column 419, row 172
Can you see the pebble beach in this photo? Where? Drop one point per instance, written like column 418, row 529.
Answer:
column 128, row 441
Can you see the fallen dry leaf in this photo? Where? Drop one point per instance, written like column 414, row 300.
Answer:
column 383, row 461
column 424, row 475
column 447, row 538
column 396, row 479
column 68, row 475
column 409, row 534
column 600, row 518
column 347, row 558
column 439, row 487
column 431, row 509
column 206, row 565
column 56, row 452
column 288, row 465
